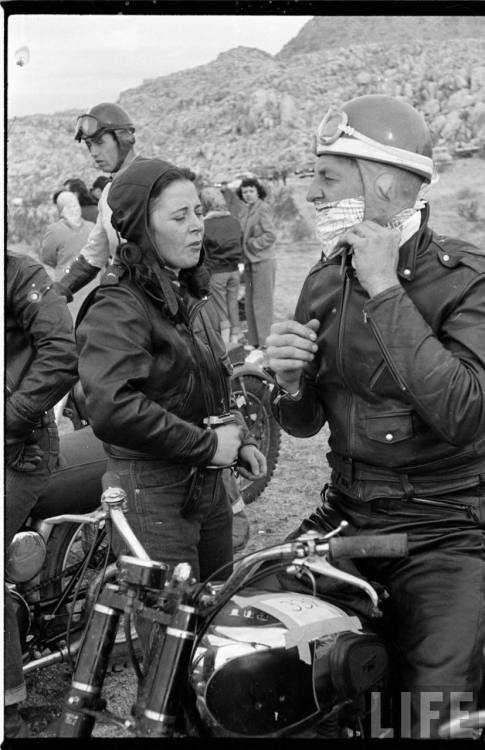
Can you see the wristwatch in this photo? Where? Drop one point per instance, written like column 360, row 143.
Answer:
column 280, row 392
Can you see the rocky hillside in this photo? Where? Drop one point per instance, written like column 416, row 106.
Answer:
column 248, row 109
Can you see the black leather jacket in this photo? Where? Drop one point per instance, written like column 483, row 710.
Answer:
column 41, row 357
column 400, row 378
column 150, row 378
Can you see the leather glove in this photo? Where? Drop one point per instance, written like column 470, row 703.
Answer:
column 24, row 457
column 62, row 291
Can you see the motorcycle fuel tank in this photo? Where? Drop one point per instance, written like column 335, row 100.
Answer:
column 273, row 662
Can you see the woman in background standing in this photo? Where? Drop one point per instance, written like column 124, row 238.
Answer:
column 259, row 261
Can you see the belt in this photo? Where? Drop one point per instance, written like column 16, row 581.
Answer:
column 351, row 471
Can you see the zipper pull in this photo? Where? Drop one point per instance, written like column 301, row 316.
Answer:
column 365, row 316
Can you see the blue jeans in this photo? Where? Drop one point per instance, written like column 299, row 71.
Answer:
column 224, row 287
column 22, row 491
column 156, row 494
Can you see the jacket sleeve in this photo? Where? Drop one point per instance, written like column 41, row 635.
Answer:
column 443, row 376
column 48, row 248
column 47, row 324
column 96, row 250
column 114, row 363
column 304, row 416
column 266, row 234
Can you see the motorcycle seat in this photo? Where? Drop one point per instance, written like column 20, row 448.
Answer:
column 75, row 485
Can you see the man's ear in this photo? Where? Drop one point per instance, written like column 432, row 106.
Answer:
column 383, row 185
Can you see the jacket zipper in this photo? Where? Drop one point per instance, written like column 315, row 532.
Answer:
column 198, row 307
column 340, row 365
column 385, row 352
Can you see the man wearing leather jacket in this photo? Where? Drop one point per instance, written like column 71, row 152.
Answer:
column 387, row 346
column 108, row 132
column 41, row 366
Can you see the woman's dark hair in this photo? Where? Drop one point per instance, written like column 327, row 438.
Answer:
column 77, row 186
column 251, row 182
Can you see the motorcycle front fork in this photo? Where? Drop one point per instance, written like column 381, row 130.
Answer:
column 84, row 697
column 163, row 682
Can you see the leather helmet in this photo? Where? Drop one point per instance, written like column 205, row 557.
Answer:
column 378, row 128
column 101, row 118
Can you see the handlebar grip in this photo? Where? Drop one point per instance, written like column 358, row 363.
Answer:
column 110, row 479
column 391, row 545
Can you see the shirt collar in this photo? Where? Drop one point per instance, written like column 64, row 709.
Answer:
column 413, row 233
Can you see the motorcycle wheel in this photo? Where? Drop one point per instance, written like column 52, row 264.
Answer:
column 67, row 547
column 251, row 395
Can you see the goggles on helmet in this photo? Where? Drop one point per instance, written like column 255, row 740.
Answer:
column 87, row 126
column 335, row 136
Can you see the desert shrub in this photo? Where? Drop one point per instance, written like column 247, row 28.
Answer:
column 284, row 206
column 467, row 204
column 301, row 230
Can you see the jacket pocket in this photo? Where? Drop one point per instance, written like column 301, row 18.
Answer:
column 389, row 428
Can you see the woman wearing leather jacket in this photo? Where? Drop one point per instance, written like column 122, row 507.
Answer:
column 155, row 371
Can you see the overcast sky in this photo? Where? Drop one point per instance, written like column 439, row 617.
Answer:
column 77, row 61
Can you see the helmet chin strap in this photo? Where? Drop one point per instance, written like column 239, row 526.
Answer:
column 123, row 151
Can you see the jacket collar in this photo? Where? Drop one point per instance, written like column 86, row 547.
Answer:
column 415, row 245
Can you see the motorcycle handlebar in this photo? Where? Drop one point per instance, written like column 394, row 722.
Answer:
column 391, row 545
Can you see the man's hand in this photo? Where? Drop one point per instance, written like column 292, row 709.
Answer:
column 375, row 255
column 290, row 346
column 24, row 457
column 251, row 463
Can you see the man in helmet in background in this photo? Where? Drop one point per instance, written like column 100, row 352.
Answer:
column 109, row 133
column 388, row 347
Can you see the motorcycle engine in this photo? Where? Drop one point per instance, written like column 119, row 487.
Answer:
column 273, row 664
column 25, row 556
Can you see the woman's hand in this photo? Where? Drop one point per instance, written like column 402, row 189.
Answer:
column 251, row 463
column 228, row 444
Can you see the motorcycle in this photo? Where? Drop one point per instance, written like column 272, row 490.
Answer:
column 235, row 658
column 53, row 570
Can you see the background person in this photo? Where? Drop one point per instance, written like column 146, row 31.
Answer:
column 388, row 347
column 109, row 134
column 89, row 206
column 98, row 186
column 64, row 238
column 153, row 367
column 259, row 261
column 40, row 367
column 223, row 254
